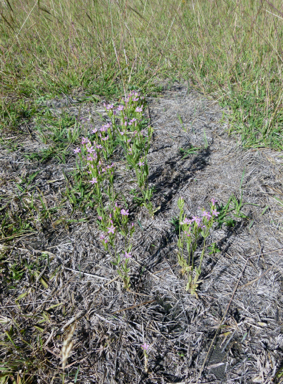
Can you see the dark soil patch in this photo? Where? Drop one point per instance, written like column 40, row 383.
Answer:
column 230, row 334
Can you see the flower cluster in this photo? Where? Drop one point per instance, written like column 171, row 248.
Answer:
column 125, row 127
column 191, row 231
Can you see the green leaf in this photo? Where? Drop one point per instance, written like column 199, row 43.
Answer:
column 23, row 295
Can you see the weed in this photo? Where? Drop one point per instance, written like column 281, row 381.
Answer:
column 94, row 168
column 189, row 151
column 191, row 232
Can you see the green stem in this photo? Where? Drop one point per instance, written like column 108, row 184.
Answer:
column 201, row 257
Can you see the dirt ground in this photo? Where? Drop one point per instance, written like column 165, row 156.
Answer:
column 231, row 333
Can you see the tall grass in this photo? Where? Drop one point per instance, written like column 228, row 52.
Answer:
column 229, row 49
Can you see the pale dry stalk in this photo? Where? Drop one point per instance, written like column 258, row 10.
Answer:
column 67, row 345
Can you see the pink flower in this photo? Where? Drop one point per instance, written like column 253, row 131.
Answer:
column 109, row 107
column 93, row 181
column 141, row 163
column 145, row 347
column 135, row 98
column 111, row 229
column 77, row 150
column 120, row 108
column 188, row 234
column 206, row 214
column 100, row 218
column 94, row 130
column 186, row 221
column 103, row 238
column 127, row 255
column 139, row 109
column 213, row 201
column 215, row 213
column 90, row 149
column 99, row 146
column 197, row 220
column 124, row 213
column 85, row 140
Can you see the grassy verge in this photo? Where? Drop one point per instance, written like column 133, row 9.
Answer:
column 231, row 50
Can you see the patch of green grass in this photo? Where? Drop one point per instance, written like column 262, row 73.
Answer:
column 257, row 115
column 188, row 151
column 14, row 272
column 62, row 129
column 232, row 209
column 15, row 111
column 47, row 154
column 32, row 213
column 79, row 191
column 60, row 133
column 229, row 50
column 13, row 225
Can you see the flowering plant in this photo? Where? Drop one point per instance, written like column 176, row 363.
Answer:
column 122, row 267
column 145, row 347
column 125, row 127
column 191, row 231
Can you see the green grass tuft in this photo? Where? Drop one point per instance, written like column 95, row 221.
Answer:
column 231, row 50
